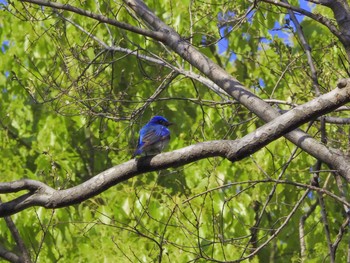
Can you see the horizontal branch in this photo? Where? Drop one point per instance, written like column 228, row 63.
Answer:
column 276, row 181
column 42, row 195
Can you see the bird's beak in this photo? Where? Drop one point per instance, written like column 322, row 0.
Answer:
column 170, row 123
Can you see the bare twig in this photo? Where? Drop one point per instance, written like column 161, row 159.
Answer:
column 307, row 50
column 303, row 254
column 151, row 59
column 326, row 227
column 278, row 230
column 341, row 233
column 320, row 2
column 254, row 228
column 165, row 83
column 270, row 180
column 149, row 33
column 317, row 17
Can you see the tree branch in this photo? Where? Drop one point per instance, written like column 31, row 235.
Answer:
column 151, row 59
column 317, row 17
column 25, row 257
column 42, row 195
column 9, row 256
column 148, row 33
column 341, row 12
column 278, row 230
column 307, row 50
column 320, row 2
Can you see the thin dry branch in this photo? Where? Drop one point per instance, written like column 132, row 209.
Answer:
column 317, row 17
column 278, row 230
column 320, row 2
column 103, row 19
column 306, row 48
column 302, row 220
column 151, row 59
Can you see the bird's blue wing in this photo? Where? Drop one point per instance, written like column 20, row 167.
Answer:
column 150, row 137
column 153, row 135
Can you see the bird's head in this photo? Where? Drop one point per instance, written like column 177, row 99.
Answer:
column 160, row 120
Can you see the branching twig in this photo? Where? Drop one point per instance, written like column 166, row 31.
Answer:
column 317, row 17
column 278, row 230
column 151, row 59
column 326, row 226
column 320, row 2
column 307, row 50
column 165, row 83
column 103, row 19
column 270, row 180
column 302, row 220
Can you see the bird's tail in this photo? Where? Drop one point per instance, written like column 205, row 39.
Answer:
column 137, row 152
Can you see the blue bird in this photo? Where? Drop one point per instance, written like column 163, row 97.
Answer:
column 154, row 137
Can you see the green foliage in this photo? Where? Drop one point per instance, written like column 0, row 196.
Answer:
column 69, row 110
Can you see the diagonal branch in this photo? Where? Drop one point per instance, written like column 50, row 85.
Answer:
column 25, row 257
column 235, row 89
column 42, row 195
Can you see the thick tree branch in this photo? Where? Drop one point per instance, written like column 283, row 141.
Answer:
column 219, row 76
column 234, row 88
column 42, row 195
